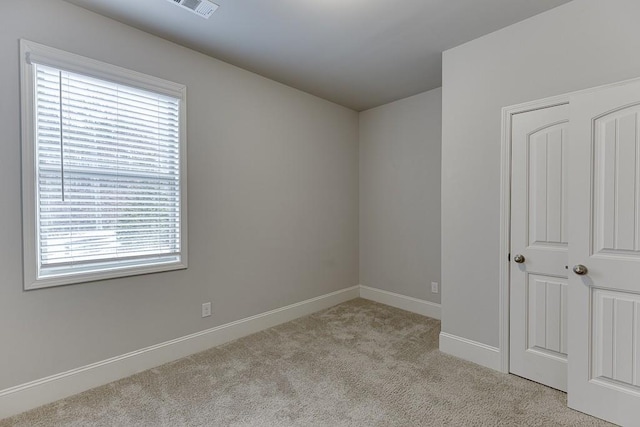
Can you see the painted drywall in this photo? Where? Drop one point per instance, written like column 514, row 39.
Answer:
column 582, row 44
column 400, row 196
column 273, row 203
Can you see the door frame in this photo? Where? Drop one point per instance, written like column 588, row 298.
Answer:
column 505, row 202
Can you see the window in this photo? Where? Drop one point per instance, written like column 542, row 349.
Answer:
column 103, row 181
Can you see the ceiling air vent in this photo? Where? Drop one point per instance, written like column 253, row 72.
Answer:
column 202, row 8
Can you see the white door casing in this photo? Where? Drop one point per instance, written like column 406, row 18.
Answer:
column 539, row 212
column 604, row 235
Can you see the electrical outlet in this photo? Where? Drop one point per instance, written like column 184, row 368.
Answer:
column 206, row 309
column 434, row 287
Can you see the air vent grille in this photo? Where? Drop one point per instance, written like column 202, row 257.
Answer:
column 203, row 8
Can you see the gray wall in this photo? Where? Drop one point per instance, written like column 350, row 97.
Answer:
column 400, row 196
column 273, row 203
column 582, row 44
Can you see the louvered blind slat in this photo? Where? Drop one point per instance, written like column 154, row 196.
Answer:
column 108, row 172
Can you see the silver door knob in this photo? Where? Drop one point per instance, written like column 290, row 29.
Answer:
column 519, row 258
column 580, row 269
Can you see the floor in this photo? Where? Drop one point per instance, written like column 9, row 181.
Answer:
column 357, row 364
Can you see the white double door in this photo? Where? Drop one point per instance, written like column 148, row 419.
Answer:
column 575, row 228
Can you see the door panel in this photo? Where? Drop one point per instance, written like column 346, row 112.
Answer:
column 616, row 157
column 616, row 337
column 547, row 187
column 604, row 326
column 547, row 314
column 538, row 287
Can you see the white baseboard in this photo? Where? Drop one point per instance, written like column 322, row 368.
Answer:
column 414, row 305
column 27, row 396
column 472, row 351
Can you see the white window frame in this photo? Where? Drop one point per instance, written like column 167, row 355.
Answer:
column 30, row 53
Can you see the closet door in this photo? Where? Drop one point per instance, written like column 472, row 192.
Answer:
column 538, row 274
column 604, row 254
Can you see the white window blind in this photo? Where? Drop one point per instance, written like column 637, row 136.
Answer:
column 107, row 176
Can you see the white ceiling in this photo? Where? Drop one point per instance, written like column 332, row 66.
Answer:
column 358, row 53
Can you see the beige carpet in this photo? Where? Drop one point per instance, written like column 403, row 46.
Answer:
column 356, row 364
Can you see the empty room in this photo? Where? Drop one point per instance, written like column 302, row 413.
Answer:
column 319, row 213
